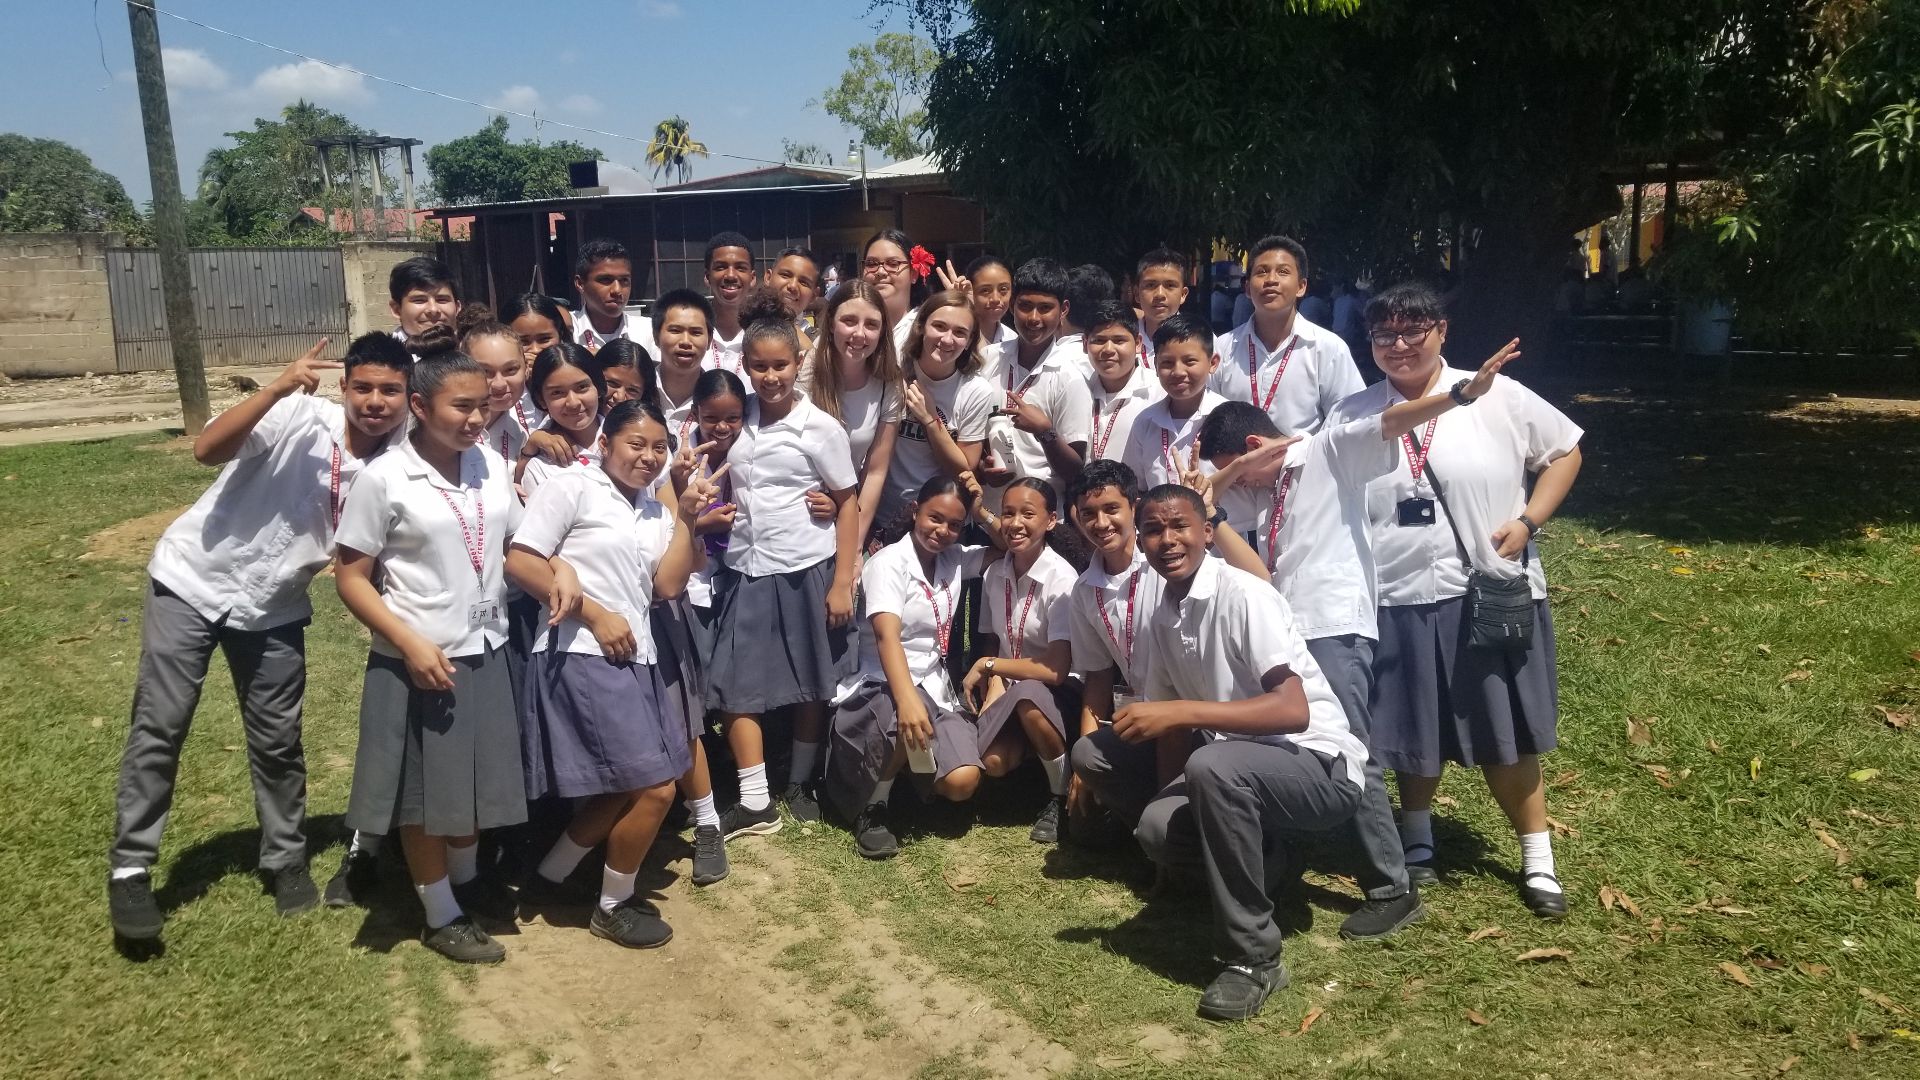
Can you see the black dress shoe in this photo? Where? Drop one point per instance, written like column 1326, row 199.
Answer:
column 1238, row 992
column 1545, row 903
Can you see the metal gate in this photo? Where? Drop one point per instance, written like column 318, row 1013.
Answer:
column 254, row 305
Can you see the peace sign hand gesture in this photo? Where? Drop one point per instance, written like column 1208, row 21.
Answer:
column 951, row 279
column 1193, row 476
column 687, row 460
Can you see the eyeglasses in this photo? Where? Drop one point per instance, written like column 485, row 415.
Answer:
column 1384, row 339
column 891, row 266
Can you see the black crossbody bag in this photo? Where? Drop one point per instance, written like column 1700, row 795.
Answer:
column 1499, row 610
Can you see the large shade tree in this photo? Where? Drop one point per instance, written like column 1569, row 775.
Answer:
column 486, row 166
column 253, row 191
column 49, row 186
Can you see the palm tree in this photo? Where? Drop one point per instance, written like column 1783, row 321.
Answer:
column 672, row 150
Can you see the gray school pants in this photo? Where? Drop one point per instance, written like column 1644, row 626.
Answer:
column 1230, row 814
column 1347, row 662
column 269, row 674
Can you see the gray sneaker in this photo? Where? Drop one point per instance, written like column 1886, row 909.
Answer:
column 136, row 915
column 1378, row 918
column 462, row 941
column 709, row 855
column 633, row 922
column 293, row 890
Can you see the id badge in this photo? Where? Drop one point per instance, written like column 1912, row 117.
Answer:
column 482, row 614
column 1416, row 512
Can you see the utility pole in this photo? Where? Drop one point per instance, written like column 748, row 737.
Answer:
column 169, row 215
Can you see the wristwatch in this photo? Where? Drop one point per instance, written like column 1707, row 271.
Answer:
column 1047, row 437
column 1458, row 393
column 990, row 663
column 1219, row 517
column 1532, row 529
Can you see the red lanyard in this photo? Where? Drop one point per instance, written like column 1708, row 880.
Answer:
column 1146, row 344
column 506, row 437
column 1166, row 454
column 1417, row 459
column 1100, row 600
column 333, row 487
column 1100, row 438
column 1016, row 637
column 942, row 628
column 1273, row 520
column 734, row 367
column 475, row 538
column 1032, row 376
column 1253, row 371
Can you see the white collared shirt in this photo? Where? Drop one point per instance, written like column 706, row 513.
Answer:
column 635, row 328
column 1159, row 445
column 774, row 466
column 1218, row 643
column 966, row 402
column 249, row 546
column 614, row 545
column 1112, row 415
column 539, row 470
column 1060, row 392
column 1321, row 554
column 1038, row 616
column 1319, row 373
column 508, row 431
column 894, row 584
column 1482, row 454
column 1108, row 618
column 1070, row 349
column 403, row 514
column 728, row 354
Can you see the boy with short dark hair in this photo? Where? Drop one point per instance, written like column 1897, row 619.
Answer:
column 1166, row 432
column 729, row 263
column 603, row 276
column 1159, row 291
column 1121, row 386
column 423, row 297
column 1292, row 369
column 1088, row 286
column 232, row 574
column 795, row 275
column 1042, row 429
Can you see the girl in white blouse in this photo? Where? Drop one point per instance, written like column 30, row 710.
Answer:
column 853, row 375
column 568, row 386
column 948, row 402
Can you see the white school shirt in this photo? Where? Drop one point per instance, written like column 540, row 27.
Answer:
column 1319, row 373
column 1111, row 416
column 1229, row 631
column 1320, row 555
column 1156, row 460
column 248, row 548
column 403, row 514
column 539, row 470
column 901, row 331
column 1038, row 616
column 614, row 545
column 1483, row 453
column 863, row 412
column 1071, row 350
column 1107, row 616
column 994, row 346
column 774, row 466
column 966, row 403
column 728, row 354
column 894, row 583
column 635, row 328
column 1060, row 392
column 508, row 431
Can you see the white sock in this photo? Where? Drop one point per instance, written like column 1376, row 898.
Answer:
column 365, row 842
column 805, row 754
column 562, row 859
column 753, row 788
column 463, row 863
column 615, row 887
column 437, row 898
column 1056, row 773
column 122, row 873
column 1416, row 830
column 880, row 792
column 703, row 810
column 1536, row 857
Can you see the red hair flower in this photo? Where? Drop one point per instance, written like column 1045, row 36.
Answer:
column 922, row 261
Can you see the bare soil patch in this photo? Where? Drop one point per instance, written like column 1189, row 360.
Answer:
column 131, row 541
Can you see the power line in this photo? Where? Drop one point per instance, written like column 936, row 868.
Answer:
column 538, row 120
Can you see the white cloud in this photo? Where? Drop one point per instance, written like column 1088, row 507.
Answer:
column 659, row 9
column 190, row 69
column 313, row 81
column 583, row 104
column 520, row 98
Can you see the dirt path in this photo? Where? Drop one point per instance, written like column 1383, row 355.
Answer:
column 748, row 986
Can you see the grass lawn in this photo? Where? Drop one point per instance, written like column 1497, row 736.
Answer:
column 1737, row 598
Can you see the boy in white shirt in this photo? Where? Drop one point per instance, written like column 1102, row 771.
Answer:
column 1166, row 431
column 1041, row 429
column 729, row 264
column 1271, row 753
column 603, row 276
column 232, row 573
column 423, row 303
column 1121, row 387
column 1294, row 370
column 1160, row 291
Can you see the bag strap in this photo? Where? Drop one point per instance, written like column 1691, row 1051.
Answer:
column 1439, row 493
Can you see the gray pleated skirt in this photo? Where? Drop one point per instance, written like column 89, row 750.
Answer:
column 523, row 627
column 995, row 717
column 1435, row 700
column 678, row 630
column 447, row 761
column 771, row 646
column 595, row 727
column 860, row 742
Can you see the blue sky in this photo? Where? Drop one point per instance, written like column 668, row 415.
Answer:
column 740, row 72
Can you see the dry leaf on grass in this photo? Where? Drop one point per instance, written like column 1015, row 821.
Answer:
column 1853, row 1040
column 1412, row 989
column 1477, row 1018
column 1313, row 1016
column 1543, row 956
column 1813, row 971
column 1561, row 828
column 1796, row 675
column 1611, row 897
column 1735, row 972
column 959, row 881
column 1638, row 733
column 1787, row 1064
column 1486, row 932
column 1884, row 1001
column 1841, row 856
column 1447, row 801
column 1899, row 721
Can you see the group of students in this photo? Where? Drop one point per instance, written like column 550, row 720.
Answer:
column 1214, row 586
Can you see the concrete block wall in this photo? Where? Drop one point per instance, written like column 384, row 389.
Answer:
column 55, row 316
column 366, row 264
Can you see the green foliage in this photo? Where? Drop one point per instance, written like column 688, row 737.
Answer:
column 673, row 148
column 252, row 191
column 880, row 94
column 486, row 167
column 48, row 186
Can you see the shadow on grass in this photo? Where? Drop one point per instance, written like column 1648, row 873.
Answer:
column 200, row 867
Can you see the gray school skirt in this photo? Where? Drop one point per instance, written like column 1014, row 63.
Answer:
column 864, row 729
column 447, row 761
column 771, row 646
column 995, row 717
column 1436, row 700
column 678, row 631
column 595, row 727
